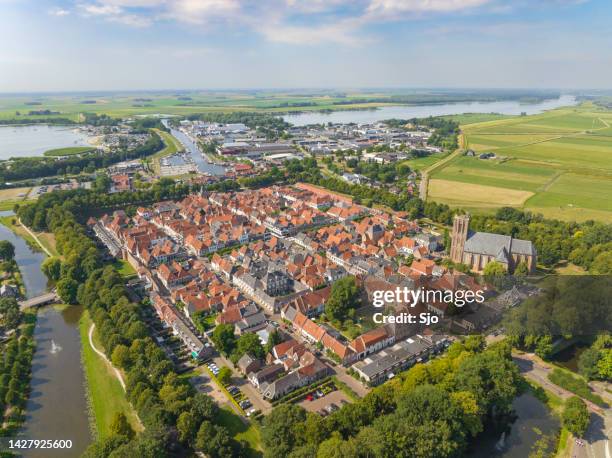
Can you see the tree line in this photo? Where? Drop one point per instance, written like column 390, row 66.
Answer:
column 432, row 410
column 15, row 364
column 570, row 307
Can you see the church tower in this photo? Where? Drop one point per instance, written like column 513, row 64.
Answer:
column 459, row 236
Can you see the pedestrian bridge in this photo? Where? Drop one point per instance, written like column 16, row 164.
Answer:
column 43, row 299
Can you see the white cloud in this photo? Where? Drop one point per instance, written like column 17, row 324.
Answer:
column 91, row 9
column 59, row 12
column 201, row 11
column 392, row 7
column 345, row 33
column 317, row 6
column 114, row 13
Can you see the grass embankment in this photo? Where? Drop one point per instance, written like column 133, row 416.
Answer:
column 172, row 146
column 124, row 268
column 46, row 240
column 70, row 151
column 105, row 394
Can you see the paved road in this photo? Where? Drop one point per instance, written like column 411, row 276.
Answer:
column 244, row 385
column 600, row 429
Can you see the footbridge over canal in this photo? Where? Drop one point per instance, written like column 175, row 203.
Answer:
column 43, row 299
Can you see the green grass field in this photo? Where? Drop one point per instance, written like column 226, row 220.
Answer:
column 69, row 151
column 421, row 163
column 172, row 146
column 472, row 118
column 105, row 393
column 562, row 157
column 124, row 268
column 241, row 431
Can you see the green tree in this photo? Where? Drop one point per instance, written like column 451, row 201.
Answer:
column 604, row 365
column 248, row 343
column 521, row 270
column 494, row 269
column 224, row 339
column 203, row 407
column 187, row 427
column 576, row 416
column 273, row 339
column 587, row 363
column 344, row 298
column 120, row 426
column 214, row 441
column 121, row 356
column 51, row 267
column 225, row 375
column 7, row 250
column 280, row 431
column 602, row 264
column 67, row 289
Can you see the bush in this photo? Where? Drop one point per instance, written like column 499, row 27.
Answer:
column 575, row 385
column 576, row 416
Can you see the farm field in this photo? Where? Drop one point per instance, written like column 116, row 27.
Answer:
column 560, row 162
column 11, row 196
column 420, row 163
column 472, row 118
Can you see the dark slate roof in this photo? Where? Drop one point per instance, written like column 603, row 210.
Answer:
column 499, row 246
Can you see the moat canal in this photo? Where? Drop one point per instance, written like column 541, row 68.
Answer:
column 57, row 407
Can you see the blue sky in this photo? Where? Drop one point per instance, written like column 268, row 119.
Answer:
column 58, row 45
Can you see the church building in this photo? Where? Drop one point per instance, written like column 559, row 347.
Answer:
column 477, row 249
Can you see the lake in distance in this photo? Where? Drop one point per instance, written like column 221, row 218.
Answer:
column 34, row 140
column 508, row 107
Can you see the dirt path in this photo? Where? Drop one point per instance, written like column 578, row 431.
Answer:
column 35, row 238
column 102, row 355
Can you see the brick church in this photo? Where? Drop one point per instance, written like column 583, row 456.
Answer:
column 477, row 249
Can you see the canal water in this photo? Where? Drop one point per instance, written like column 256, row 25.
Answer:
column 203, row 165
column 509, row 107
column 533, row 420
column 34, row 140
column 57, row 407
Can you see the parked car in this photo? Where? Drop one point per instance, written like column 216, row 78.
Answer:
column 245, row 404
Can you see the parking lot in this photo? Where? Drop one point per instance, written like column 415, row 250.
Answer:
column 317, row 405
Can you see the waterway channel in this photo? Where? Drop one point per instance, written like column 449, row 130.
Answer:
column 190, row 146
column 57, row 407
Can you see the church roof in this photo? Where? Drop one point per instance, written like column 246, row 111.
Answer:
column 496, row 245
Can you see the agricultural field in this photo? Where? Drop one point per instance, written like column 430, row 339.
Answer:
column 473, row 118
column 11, row 196
column 558, row 163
